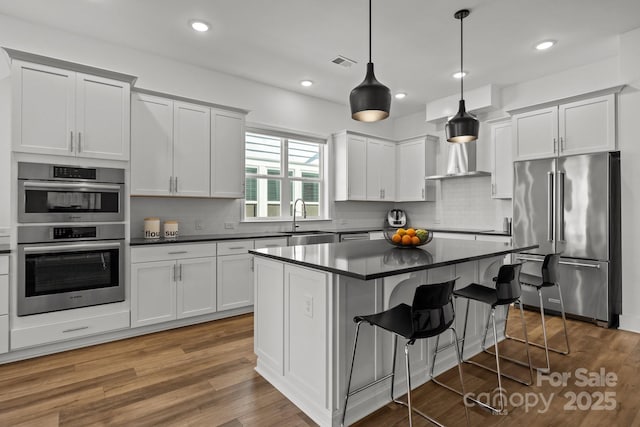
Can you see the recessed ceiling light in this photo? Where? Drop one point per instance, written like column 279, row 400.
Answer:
column 199, row 26
column 545, row 44
column 306, row 83
column 400, row 95
column 459, row 74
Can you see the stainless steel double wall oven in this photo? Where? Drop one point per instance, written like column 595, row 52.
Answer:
column 70, row 237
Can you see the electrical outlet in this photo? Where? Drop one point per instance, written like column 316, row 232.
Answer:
column 308, row 306
column 198, row 224
column 229, row 226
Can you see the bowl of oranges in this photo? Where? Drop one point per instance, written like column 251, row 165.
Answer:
column 408, row 237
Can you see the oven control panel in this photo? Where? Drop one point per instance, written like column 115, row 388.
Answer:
column 71, row 172
column 74, row 233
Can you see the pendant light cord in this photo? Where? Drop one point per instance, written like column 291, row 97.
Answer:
column 461, row 61
column 369, row 30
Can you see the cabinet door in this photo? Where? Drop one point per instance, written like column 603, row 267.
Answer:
column 357, row 167
column 151, row 145
column 44, row 109
column 374, row 169
column 153, row 292
column 102, row 120
column 196, row 288
column 588, row 126
column 227, row 154
column 388, row 171
column 191, row 150
column 536, row 134
column 502, row 161
column 410, row 163
column 235, row 281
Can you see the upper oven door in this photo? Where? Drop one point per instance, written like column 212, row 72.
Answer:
column 61, row 201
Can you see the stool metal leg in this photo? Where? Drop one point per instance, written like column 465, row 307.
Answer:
column 406, row 358
column 564, row 321
column 544, row 335
column 353, row 358
column 393, row 366
column 495, row 342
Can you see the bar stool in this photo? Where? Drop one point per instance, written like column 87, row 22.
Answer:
column 506, row 291
column 430, row 314
column 549, row 278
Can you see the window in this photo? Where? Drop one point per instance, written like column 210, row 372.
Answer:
column 268, row 191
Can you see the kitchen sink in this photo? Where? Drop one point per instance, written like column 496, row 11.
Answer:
column 311, row 237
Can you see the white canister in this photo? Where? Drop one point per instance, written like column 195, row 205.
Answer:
column 152, row 228
column 170, row 229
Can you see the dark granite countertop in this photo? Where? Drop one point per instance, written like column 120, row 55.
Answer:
column 140, row 241
column 372, row 259
column 5, row 248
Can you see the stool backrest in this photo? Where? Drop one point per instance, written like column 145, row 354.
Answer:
column 432, row 309
column 550, row 267
column 508, row 287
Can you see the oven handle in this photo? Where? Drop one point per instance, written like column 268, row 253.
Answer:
column 71, row 247
column 72, row 185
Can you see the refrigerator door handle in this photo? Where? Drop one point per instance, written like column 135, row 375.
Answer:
column 561, row 207
column 550, row 206
column 580, row 264
column 525, row 258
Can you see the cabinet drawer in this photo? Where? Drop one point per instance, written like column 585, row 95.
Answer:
column 162, row 252
column 4, row 334
column 270, row 243
column 4, row 295
column 4, row 264
column 45, row 334
column 234, row 247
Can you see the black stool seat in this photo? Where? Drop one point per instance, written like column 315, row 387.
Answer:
column 536, row 281
column 483, row 294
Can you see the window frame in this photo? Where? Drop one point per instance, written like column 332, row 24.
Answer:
column 286, row 180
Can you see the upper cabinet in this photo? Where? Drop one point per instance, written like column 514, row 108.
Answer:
column 378, row 170
column 68, row 113
column 584, row 126
column 415, row 160
column 502, row 160
column 185, row 149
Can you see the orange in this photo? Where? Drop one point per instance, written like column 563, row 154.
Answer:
column 415, row 240
column 411, row 232
column 406, row 240
column 396, row 238
column 401, row 231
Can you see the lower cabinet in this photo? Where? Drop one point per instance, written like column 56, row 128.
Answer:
column 181, row 283
column 4, row 304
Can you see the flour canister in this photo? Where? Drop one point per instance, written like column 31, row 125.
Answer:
column 170, row 229
column 152, row 228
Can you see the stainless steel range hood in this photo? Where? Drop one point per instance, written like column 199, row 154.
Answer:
column 461, row 162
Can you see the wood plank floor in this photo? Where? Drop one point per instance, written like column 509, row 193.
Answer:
column 203, row 375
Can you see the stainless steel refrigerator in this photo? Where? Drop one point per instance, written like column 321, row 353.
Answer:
column 571, row 205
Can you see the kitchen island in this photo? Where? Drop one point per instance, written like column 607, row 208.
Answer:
column 307, row 296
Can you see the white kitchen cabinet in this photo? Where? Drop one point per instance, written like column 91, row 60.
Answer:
column 227, row 154
column 415, row 159
column 502, row 161
column 350, row 154
column 380, row 169
column 191, row 150
column 67, row 113
column 170, row 147
column 171, row 282
column 580, row 127
column 4, row 304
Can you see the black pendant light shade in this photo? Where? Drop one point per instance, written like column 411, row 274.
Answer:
column 463, row 127
column 370, row 100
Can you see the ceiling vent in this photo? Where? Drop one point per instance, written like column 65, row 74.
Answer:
column 343, row 61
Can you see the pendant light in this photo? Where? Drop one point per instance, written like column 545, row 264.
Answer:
column 370, row 100
column 463, row 127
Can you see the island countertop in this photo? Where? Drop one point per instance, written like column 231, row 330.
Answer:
column 373, row 259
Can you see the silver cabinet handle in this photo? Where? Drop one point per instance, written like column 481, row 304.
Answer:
column 555, row 145
column 71, row 141
column 175, row 273
column 561, row 207
column 176, row 184
column 235, row 248
column 81, row 328
column 550, row 206
column 562, row 145
column 177, row 252
column 180, row 274
column 79, row 142
column 423, row 193
column 253, row 262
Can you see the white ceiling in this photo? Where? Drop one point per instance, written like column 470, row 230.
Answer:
column 415, row 42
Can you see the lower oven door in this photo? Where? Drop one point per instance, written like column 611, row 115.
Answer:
column 61, row 276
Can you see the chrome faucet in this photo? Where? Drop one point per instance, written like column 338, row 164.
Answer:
column 304, row 213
